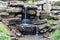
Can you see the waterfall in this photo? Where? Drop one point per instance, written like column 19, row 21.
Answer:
column 37, row 33
column 25, row 14
column 25, row 20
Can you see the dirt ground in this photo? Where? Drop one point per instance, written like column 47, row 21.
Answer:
column 32, row 37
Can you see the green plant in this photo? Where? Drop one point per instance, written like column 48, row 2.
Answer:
column 3, row 33
column 56, row 35
column 4, row 36
column 48, row 22
column 29, row 2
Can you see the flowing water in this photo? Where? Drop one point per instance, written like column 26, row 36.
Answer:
column 37, row 33
column 25, row 14
column 25, row 23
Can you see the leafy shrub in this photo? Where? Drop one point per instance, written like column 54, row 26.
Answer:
column 3, row 33
column 56, row 35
